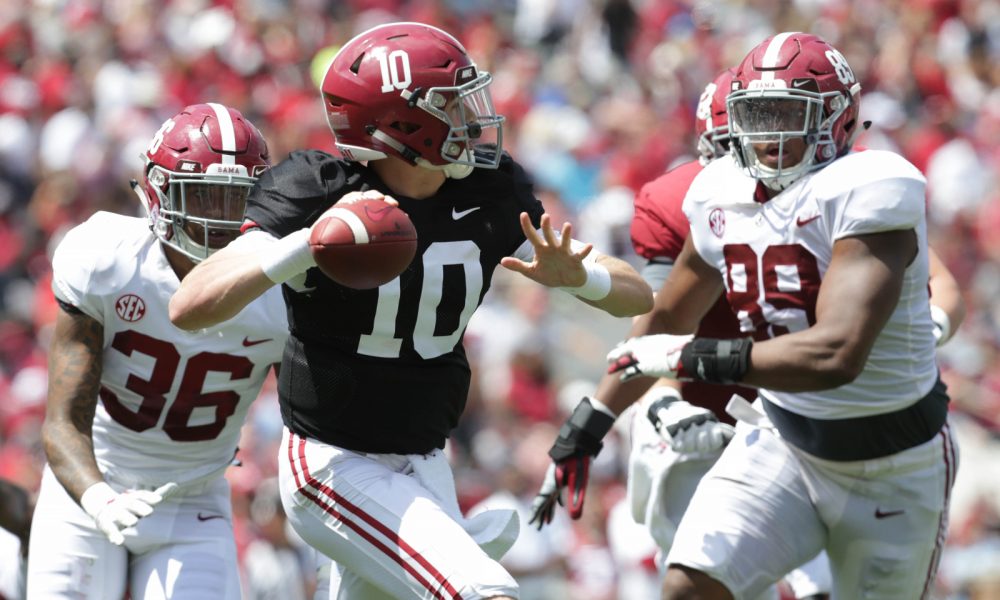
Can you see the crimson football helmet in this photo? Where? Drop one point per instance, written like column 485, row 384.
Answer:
column 792, row 85
column 410, row 90
column 711, row 121
column 199, row 169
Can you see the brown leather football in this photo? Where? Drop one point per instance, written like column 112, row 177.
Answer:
column 363, row 244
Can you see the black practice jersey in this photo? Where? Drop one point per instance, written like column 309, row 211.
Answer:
column 384, row 370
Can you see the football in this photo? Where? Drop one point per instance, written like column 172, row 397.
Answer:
column 363, row 244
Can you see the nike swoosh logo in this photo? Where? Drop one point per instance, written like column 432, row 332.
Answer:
column 459, row 214
column 202, row 517
column 247, row 343
column 879, row 514
column 803, row 222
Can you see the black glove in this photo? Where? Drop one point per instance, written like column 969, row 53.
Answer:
column 579, row 440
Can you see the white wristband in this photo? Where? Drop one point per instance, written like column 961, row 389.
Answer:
column 287, row 257
column 96, row 497
column 601, row 407
column 659, row 392
column 942, row 325
column 597, row 285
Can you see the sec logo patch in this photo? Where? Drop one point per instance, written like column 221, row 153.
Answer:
column 717, row 222
column 130, row 307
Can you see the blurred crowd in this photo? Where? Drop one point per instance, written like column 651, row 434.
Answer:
column 599, row 97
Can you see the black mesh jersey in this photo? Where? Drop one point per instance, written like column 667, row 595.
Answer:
column 384, row 370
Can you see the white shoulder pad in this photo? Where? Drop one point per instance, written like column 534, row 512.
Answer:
column 721, row 183
column 858, row 169
column 870, row 191
column 96, row 258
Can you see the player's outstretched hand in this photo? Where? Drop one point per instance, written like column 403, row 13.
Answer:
column 555, row 263
column 543, row 507
column 687, row 428
column 114, row 512
column 578, row 442
column 648, row 356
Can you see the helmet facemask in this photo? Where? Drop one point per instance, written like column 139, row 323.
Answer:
column 713, row 143
column 467, row 110
column 770, row 116
column 200, row 213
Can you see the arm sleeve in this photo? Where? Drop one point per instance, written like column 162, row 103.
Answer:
column 659, row 226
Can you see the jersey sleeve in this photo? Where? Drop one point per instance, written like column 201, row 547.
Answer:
column 659, row 226
column 86, row 264
column 522, row 189
column 292, row 194
column 889, row 195
column 884, row 205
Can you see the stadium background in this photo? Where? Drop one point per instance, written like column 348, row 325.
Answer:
column 599, row 96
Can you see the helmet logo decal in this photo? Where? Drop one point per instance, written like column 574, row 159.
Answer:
column 395, row 68
column 188, row 166
column 130, row 308
column 704, row 110
column 717, row 222
column 767, row 84
column 840, row 66
column 220, row 169
column 465, row 74
column 338, row 120
column 154, row 144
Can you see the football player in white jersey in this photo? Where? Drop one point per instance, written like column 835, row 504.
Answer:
column 821, row 253
column 143, row 418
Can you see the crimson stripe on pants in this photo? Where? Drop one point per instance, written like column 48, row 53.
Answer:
column 949, row 480
column 367, row 518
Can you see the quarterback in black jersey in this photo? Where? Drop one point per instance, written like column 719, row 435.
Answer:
column 373, row 381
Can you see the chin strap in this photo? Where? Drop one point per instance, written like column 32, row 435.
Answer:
column 451, row 170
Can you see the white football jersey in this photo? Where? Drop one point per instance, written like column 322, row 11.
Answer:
column 773, row 256
column 172, row 402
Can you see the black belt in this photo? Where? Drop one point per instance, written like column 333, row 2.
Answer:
column 864, row 438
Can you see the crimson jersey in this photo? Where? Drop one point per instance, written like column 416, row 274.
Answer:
column 383, row 370
column 659, row 229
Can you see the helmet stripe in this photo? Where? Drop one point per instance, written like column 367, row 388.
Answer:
column 770, row 59
column 228, row 133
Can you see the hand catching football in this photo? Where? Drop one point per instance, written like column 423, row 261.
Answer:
column 363, row 241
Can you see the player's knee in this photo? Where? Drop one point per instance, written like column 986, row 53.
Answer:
column 685, row 583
